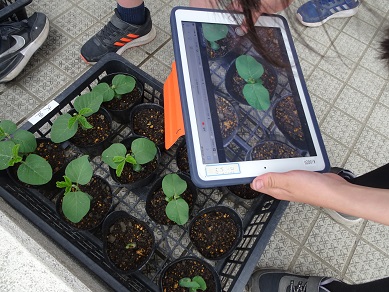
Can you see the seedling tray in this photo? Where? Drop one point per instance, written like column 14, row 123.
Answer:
column 13, row 10
column 260, row 216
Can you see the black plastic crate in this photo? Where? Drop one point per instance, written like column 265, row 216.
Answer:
column 13, row 10
column 260, row 216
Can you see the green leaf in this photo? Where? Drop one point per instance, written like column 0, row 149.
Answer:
column 120, row 168
column 85, row 112
column 248, row 68
column 137, row 167
column 214, row 32
column 178, row 211
column 200, row 280
column 79, row 170
column 84, row 123
column 60, row 131
column 75, row 205
column 173, row 185
column 67, row 184
column 144, row 150
column 89, row 100
column 187, row 283
column 7, row 127
column 6, row 153
column 130, row 159
column 257, row 96
column 109, row 154
column 35, row 170
column 26, row 140
column 123, row 84
column 105, row 91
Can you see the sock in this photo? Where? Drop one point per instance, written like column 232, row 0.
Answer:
column 135, row 15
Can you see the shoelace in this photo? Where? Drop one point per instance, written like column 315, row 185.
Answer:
column 108, row 32
column 302, row 287
column 9, row 27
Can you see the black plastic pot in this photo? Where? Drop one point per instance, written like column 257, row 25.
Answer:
column 287, row 120
column 157, row 186
column 272, row 149
column 123, row 116
column 98, row 148
column 243, row 192
column 107, row 225
column 215, row 240
column 157, row 135
column 180, row 265
column 228, row 119
column 90, row 214
column 144, row 180
column 182, row 158
column 270, row 72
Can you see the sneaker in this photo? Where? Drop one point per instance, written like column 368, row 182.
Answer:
column 19, row 41
column 317, row 12
column 342, row 218
column 281, row 281
column 117, row 36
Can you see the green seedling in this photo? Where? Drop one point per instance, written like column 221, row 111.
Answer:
column 75, row 203
column 121, row 84
column 254, row 92
column 142, row 151
column 131, row 245
column 194, row 284
column 66, row 125
column 213, row 33
column 16, row 146
column 177, row 208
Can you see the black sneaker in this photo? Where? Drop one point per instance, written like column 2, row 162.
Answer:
column 19, row 41
column 280, row 281
column 117, row 36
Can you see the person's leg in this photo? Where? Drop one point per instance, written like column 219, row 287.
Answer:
column 129, row 27
column 377, row 178
column 276, row 281
column 317, row 12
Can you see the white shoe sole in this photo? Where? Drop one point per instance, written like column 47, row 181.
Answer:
column 28, row 51
column 341, row 219
column 340, row 14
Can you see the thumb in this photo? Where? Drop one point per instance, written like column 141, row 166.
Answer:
column 271, row 184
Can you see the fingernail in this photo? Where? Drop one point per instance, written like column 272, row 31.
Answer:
column 258, row 184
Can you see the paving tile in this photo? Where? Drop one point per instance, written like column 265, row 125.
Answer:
column 162, row 18
column 165, row 54
column 69, row 60
column 75, row 21
column 98, row 9
column 320, row 107
column 336, row 151
column 297, row 220
column 324, row 35
column 324, row 85
column 278, row 253
column 309, row 50
column 379, row 119
column 377, row 235
column 371, row 60
column 359, row 165
column 331, row 242
column 349, row 46
column 52, row 9
column 159, row 40
column 385, row 96
column 367, row 82
column 156, row 69
column 367, row 264
column 337, row 65
column 370, row 14
column 381, row 5
column 135, row 55
column 360, row 30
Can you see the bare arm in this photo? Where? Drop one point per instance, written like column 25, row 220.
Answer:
column 328, row 191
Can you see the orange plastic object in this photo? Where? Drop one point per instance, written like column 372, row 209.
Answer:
column 174, row 121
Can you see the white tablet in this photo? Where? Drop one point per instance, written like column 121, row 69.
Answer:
column 243, row 116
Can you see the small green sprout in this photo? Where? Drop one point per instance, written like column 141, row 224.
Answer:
column 213, row 33
column 16, row 146
column 142, row 151
column 121, row 84
column 177, row 208
column 131, row 245
column 197, row 283
column 66, row 125
column 251, row 71
column 75, row 203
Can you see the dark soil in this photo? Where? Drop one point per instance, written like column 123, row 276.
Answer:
column 287, row 120
column 187, row 268
column 228, row 117
column 225, row 44
column 269, row 40
column 214, row 234
column 269, row 82
column 100, row 132
column 100, row 204
column 273, row 150
column 126, row 101
column 244, row 191
column 129, row 176
column 123, row 232
column 182, row 158
column 149, row 122
column 155, row 208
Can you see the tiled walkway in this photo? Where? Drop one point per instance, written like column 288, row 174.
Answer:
column 348, row 86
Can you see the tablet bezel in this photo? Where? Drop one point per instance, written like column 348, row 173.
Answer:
column 248, row 169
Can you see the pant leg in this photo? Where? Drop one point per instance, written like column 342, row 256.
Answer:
column 378, row 178
column 381, row 285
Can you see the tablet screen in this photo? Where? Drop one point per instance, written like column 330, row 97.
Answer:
column 272, row 124
column 244, row 115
